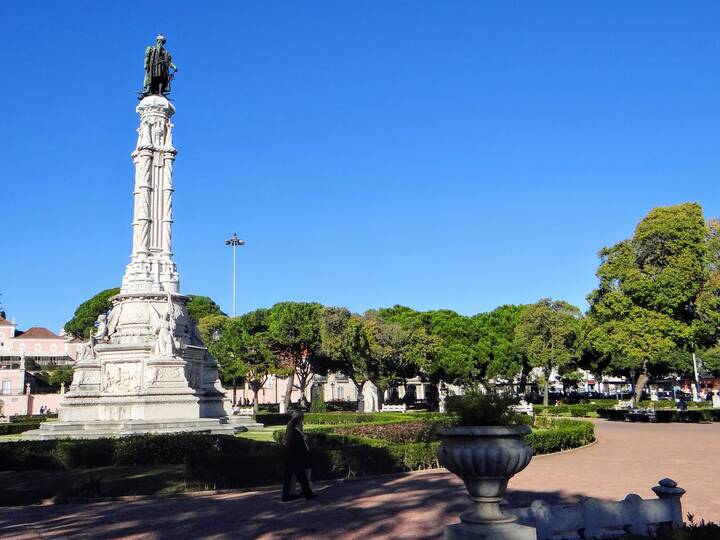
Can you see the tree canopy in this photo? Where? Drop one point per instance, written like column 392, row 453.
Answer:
column 83, row 321
column 547, row 334
column 202, row 306
column 657, row 291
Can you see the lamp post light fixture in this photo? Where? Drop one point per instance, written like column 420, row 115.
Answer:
column 234, row 242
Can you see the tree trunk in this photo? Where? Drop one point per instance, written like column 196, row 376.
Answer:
column 302, row 384
column 256, row 407
column 546, row 392
column 358, row 393
column 288, row 390
column 640, row 384
column 381, row 397
column 234, row 392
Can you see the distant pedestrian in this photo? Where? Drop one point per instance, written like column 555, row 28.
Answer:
column 297, row 459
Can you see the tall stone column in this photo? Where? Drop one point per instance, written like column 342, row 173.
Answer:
column 151, row 268
column 167, row 220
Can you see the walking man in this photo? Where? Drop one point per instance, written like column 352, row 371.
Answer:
column 297, row 458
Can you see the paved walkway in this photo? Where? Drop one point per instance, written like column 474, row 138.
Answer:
column 627, row 458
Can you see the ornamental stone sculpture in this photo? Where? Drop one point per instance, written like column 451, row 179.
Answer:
column 158, row 63
column 143, row 369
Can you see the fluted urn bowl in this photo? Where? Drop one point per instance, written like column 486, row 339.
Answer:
column 485, row 457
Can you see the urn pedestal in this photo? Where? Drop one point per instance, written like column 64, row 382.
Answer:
column 485, row 458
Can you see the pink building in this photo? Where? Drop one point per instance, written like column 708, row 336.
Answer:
column 15, row 397
column 39, row 345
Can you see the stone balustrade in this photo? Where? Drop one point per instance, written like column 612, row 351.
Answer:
column 597, row 519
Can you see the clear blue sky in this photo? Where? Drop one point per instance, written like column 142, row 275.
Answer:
column 435, row 154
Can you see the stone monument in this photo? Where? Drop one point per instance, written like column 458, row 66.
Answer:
column 145, row 368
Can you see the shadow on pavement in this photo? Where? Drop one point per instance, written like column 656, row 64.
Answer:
column 417, row 505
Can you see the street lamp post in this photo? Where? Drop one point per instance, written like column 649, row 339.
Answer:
column 234, row 242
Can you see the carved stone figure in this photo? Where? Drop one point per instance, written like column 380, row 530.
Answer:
column 158, row 64
column 164, row 328
column 101, row 333
column 114, row 319
column 85, row 352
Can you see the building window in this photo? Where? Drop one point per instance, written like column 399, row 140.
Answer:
column 6, row 387
column 341, row 393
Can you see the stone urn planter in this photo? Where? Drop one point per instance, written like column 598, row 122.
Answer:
column 485, row 458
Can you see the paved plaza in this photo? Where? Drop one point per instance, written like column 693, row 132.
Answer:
column 626, row 458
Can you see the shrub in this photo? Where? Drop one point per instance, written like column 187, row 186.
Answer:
column 13, row 428
column 579, row 410
column 399, row 433
column 339, row 405
column 84, row 454
column 31, row 417
column 318, row 404
column 567, row 434
column 136, row 450
column 28, row 455
column 478, row 408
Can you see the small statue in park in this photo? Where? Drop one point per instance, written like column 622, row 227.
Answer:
column 158, row 64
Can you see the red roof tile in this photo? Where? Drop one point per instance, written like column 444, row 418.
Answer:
column 5, row 322
column 37, row 332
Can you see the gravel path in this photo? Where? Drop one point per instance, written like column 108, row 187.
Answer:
column 627, row 458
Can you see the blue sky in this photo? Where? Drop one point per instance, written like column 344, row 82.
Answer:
column 437, row 154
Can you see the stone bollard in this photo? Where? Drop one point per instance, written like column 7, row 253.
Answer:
column 668, row 491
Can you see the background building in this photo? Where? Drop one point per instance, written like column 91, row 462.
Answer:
column 40, row 346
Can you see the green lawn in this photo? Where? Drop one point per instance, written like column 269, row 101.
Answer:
column 265, row 434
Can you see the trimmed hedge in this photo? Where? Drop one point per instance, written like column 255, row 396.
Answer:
column 567, row 434
column 12, row 428
column 138, row 450
column 31, row 417
column 664, row 415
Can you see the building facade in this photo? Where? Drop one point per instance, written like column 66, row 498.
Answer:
column 38, row 345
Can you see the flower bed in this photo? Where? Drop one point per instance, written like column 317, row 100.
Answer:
column 398, row 433
column 337, row 418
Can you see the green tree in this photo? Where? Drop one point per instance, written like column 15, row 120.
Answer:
column 83, row 321
column 294, row 331
column 61, row 375
column 345, row 343
column 657, row 292
column 243, row 350
column 547, row 334
column 202, row 306
column 395, row 353
column 500, row 355
column 456, row 358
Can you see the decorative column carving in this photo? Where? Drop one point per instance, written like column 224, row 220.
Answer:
column 168, row 189
column 151, row 268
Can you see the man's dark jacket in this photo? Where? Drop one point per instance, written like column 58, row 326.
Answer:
column 298, row 454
